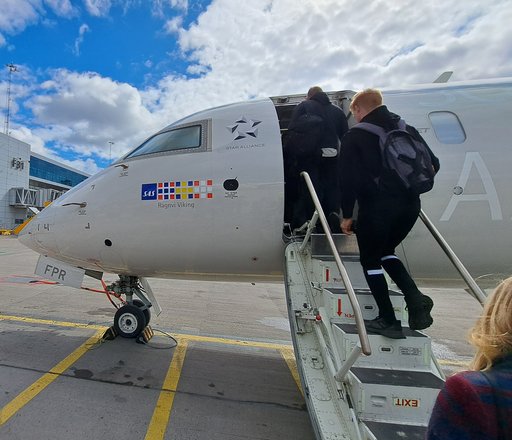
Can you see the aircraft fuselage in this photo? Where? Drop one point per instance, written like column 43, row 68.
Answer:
column 213, row 204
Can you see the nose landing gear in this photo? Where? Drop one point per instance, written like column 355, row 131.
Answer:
column 132, row 318
column 129, row 321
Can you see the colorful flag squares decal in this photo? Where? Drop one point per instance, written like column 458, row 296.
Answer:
column 178, row 190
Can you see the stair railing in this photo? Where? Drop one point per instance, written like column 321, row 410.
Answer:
column 358, row 315
column 474, row 289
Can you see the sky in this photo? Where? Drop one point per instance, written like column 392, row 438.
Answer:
column 94, row 78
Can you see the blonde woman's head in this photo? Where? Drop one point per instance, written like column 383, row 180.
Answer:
column 492, row 333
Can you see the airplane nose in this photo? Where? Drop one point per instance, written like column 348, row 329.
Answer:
column 38, row 234
column 27, row 237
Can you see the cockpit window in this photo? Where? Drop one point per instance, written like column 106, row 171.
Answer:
column 184, row 139
column 447, row 127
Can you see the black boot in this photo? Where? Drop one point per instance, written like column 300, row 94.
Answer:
column 379, row 288
column 418, row 305
column 419, row 312
column 380, row 326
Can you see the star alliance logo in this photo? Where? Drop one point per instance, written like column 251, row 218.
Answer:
column 243, row 128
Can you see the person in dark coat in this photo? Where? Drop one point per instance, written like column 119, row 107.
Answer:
column 386, row 214
column 477, row 404
column 320, row 161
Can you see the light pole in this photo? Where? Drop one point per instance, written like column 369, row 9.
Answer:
column 110, row 154
column 12, row 68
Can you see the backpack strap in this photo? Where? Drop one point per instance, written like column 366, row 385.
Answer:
column 378, row 130
column 372, row 128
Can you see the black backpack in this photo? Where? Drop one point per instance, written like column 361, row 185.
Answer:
column 404, row 156
column 305, row 137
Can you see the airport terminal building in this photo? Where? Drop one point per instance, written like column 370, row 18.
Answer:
column 29, row 180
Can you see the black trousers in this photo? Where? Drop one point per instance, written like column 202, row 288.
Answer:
column 324, row 175
column 382, row 225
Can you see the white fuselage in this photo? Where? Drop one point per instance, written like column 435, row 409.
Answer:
column 228, row 218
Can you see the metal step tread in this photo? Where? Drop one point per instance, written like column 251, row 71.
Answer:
column 388, row 431
column 330, row 257
column 408, row 333
column 346, row 246
column 341, row 291
column 404, row 378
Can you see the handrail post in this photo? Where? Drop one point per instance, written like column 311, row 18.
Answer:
column 361, row 330
column 473, row 286
column 347, row 365
column 309, row 231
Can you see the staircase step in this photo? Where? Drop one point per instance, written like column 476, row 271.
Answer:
column 394, row 395
column 389, row 431
column 406, row 378
column 330, row 274
column 346, row 245
column 414, row 352
column 366, row 302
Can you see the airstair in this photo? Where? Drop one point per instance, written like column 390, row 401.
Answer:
column 357, row 386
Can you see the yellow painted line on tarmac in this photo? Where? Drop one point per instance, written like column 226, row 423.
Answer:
column 51, row 322
column 239, row 342
column 289, row 356
column 453, row 363
column 186, row 337
column 162, row 412
column 182, row 337
column 39, row 385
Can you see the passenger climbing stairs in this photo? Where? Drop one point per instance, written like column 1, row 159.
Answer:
column 386, row 395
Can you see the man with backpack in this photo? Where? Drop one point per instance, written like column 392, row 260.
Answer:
column 312, row 145
column 385, row 165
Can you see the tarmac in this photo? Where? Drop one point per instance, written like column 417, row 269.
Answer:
column 220, row 365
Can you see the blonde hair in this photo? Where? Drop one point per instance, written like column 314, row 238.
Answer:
column 368, row 99
column 492, row 333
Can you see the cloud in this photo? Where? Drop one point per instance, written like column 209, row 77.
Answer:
column 173, row 25
column 62, row 8
column 37, row 145
column 180, row 4
column 16, row 15
column 80, row 39
column 158, row 6
column 295, row 44
column 83, row 112
column 98, row 8
column 266, row 48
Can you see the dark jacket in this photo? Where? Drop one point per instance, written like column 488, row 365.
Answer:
column 361, row 163
column 335, row 120
column 474, row 405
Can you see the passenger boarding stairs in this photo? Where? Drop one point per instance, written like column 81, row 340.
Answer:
column 357, row 386
column 386, row 395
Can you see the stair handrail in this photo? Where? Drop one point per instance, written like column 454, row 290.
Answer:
column 474, row 288
column 358, row 315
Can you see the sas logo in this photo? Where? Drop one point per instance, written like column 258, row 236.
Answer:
column 149, row 191
column 178, row 190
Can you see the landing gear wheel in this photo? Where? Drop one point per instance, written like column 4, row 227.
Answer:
column 147, row 313
column 129, row 321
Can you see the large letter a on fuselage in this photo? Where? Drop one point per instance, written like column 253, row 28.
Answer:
column 490, row 195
